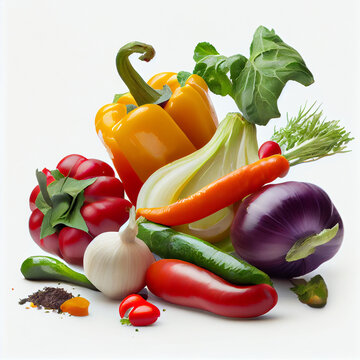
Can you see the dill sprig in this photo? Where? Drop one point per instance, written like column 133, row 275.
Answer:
column 308, row 137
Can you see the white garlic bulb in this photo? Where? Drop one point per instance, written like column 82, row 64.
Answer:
column 116, row 262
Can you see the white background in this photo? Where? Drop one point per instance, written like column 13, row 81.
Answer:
column 58, row 69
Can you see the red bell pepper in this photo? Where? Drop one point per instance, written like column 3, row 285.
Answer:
column 183, row 283
column 78, row 201
column 139, row 311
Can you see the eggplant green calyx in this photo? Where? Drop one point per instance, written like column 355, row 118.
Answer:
column 313, row 293
column 61, row 202
column 255, row 83
column 305, row 247
column 139, row 89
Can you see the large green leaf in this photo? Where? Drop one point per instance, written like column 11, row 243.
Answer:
column 271, row 65
column 214, row 68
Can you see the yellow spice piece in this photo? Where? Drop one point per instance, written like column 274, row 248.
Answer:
column 77, row 306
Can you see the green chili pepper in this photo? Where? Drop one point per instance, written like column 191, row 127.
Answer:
column 170, row 244
column 48, row 268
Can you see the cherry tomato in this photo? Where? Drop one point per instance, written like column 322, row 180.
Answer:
column 129, row 302
column 143, row 315
column 141, row 312
column 269, row 148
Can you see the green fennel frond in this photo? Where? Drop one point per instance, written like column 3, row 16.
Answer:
column 308, row 137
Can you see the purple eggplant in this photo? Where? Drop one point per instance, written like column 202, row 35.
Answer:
column 287, row 229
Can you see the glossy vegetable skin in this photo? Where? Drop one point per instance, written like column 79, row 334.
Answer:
column 157, row 130
column 139, row 311
column 48, row 268
column 269, row 148
column 287, row 229
column 103, row 208
column 220, row 193
column 170, row 244
column 186, row 284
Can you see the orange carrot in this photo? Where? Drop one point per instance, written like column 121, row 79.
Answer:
column 220, row 193
column 77, row 306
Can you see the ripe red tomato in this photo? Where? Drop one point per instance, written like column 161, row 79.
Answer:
column 269, row 148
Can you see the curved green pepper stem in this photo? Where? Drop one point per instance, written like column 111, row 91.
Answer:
column 139, row 89
column 305, row 247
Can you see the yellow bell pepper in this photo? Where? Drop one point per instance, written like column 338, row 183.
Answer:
column 163, row 127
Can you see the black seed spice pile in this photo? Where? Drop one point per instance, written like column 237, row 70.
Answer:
column 49, row 298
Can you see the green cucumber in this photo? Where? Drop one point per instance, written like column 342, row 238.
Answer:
column 48, row 268
column 170, row 244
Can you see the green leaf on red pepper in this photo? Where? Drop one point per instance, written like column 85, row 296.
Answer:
column 73, row 187
column 51, row 189
column 61, row 205
column 74, row 218
column 45, row 197
column 57, row 175
column 46, row 228
column 64, row 199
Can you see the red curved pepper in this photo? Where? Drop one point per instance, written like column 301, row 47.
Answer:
column 140, row 312
column 103, row 208
column 186, row 284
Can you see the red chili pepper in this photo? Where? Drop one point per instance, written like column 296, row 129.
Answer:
column 269, row 148
column 186, row 284
column 141, row 312
column 90, row 203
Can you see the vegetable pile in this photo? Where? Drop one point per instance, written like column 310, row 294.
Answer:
column 200, row 192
